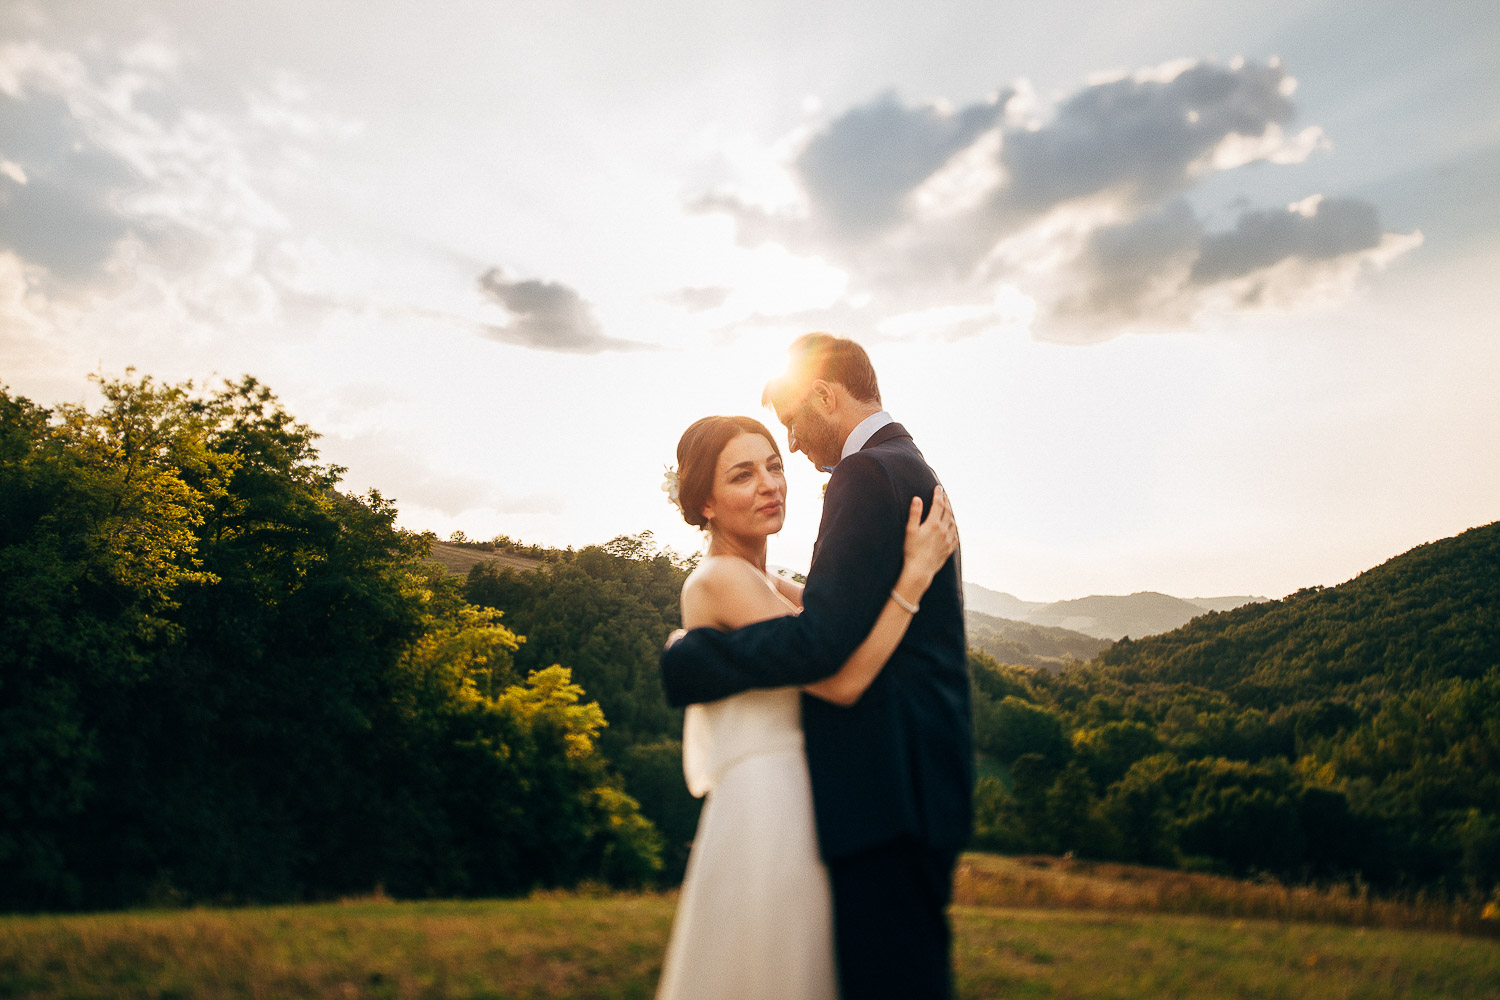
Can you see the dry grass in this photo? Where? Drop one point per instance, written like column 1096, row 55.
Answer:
column 1018, row 932
column 1129, row 956
column 460, row 559
column 554, row 947
column 1065, row 883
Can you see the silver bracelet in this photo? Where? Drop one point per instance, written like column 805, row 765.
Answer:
column 904, row 604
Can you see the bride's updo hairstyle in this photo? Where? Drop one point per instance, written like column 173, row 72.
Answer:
column 698, row 456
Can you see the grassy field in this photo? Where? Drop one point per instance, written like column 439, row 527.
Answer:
column 459, row 559
column 557, row 945
column 1063, row 883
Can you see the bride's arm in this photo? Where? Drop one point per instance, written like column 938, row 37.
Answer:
column 929, row 543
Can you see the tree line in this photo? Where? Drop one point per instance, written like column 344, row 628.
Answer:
column 224, row 679
column 1344, row 732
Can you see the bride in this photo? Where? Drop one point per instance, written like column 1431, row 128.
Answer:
column 754, row 919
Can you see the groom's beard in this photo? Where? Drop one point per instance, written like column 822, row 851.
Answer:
column 820, row 439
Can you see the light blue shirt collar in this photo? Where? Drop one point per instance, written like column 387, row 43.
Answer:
column 863, row 431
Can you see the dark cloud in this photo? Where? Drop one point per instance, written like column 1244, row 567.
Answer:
column 547, row 316
column 1153, row 267
column 64, row 217
column 1127, row 268
column 1339, row 227
column 859, row 170
column 1084, row 210
column 1140, row 137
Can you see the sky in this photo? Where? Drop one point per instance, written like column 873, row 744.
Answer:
column 1196, row 298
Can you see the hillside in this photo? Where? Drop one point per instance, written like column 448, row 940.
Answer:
column 1108, row 617
column 459, row 559
column 1342, row 730
column 997, row 604
column 1430, row 613
column 1024, row 644
column 1223, row 603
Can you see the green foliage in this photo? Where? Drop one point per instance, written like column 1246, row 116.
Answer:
column 224, row 679
column 1339, row 732
column 1107, row 752
column 605, row 610
column 1431, row 613
column 1012, row 727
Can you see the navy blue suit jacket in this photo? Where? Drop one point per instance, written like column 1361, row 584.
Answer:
column 900, row 762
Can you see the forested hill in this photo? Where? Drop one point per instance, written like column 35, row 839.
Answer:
column 1428, row 614
column 1339, row 731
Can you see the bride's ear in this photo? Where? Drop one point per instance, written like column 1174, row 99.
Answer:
column 707, row 512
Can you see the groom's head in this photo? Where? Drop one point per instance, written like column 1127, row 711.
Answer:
column 829, row 387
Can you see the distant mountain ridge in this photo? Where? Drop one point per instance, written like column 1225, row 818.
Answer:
column 1025, row 644
column 1101, row 616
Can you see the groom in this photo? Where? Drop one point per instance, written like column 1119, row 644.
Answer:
column 892, row 774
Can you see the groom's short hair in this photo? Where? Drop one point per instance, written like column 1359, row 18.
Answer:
column 823, row 356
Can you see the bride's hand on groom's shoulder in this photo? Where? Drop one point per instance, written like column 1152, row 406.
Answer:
column 930, row 541
column 677, row 633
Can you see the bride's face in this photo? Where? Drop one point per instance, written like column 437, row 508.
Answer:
column 749, row 491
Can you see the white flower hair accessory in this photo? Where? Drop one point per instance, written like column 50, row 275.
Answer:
column 669, row 486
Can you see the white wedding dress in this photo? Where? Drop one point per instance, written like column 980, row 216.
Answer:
column 755, row 916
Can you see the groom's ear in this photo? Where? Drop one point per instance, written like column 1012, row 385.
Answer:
column 823, row 395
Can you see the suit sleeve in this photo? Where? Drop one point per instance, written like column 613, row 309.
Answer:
column 859, row 557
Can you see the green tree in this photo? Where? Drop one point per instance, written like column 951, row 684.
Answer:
column 1138, row 808
column 1069, row 804
column 1011, row 727
column 1107, row 751
column 98, row 520
column 224, row 679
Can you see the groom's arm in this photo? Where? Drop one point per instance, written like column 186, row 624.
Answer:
column 859, row 558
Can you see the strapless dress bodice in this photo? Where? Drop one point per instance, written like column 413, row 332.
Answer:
column 718, row 735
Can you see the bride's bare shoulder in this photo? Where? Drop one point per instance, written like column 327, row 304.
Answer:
column 726, row 592
column 718, row 575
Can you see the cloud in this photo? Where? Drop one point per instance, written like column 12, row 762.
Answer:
column 1158, row 267
column 1082, row 209
column 59, row 196
column 1146, row 138
column 701, row 299
column 117, row 190
column 1137, row 268
column 1314, row 230
column 547, row 316
column 859, row 170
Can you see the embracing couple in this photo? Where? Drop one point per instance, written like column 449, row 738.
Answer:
column 829, row 724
